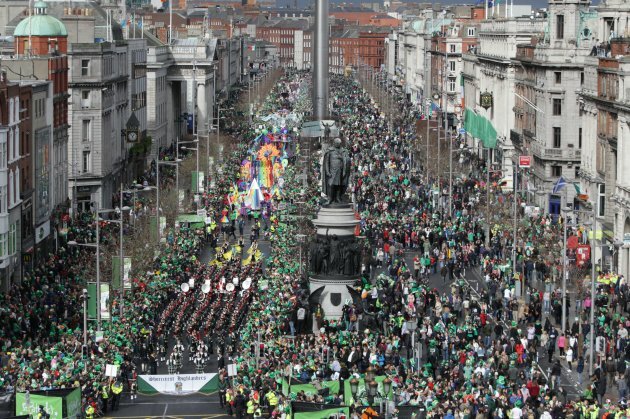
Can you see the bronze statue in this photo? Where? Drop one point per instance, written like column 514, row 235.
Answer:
column 335, row 173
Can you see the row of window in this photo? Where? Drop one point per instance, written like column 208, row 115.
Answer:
column 8, row 242
column 14, row 110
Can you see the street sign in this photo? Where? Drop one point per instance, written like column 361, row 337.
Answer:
column 524, row 162
column 462, row 131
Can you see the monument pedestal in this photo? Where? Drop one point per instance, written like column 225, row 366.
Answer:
column 335, row 224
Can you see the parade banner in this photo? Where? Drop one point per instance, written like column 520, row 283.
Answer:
column 28, row 404
column 154, row 228
column 323, row 414
column 104, row 304
column 178, row 384
column 197, row 180
column 58, row 404
column 309, row 389
column 116, row 272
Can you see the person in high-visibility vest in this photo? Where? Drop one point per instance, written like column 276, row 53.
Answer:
column 89, row 412
column 251, row 408
column 105, row 397
column 117, row 388
column 272, row 399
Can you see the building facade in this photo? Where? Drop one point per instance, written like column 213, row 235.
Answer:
column 549, row 74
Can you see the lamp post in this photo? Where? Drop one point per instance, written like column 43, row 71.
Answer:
column 565, row 211
column 387, row 386
column 436, row 97
column 592, row 317
column 134, row 192
column 412, row 326
column 85, row 299
column 98, row 265
column 450, row 174
column 372, row 391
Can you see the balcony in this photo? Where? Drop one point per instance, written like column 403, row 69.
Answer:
column 563, row 154
column 516, row 138
column 517, row 26
column 525, row 52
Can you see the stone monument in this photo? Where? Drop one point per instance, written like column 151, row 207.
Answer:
column 335, row 254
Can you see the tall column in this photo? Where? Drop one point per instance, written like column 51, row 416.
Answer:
column 320, row 61
column 624, row 262
column 202, row 107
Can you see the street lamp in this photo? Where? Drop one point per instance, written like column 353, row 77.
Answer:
column 370, row 374
column 372, row 388
column 412, row 326
column 436, row 97
column 354, row 386
column 134, row 192
column 593, row 222
column 565, row 211
column 387, row 386
column 450, row 174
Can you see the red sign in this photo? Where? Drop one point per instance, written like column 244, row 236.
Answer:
column 583, row 254
column 525, row 162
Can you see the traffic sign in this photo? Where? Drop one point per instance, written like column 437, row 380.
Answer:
column 462, row 131
column 524, row 162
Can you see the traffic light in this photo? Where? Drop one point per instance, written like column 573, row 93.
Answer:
column 601, row 344
column 84, row 351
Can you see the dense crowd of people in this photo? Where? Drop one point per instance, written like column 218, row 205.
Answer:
column 450, row 349
column 477, row 350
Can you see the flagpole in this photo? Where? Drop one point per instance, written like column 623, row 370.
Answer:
column 486, row 4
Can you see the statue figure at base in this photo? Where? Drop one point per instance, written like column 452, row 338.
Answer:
column 335, row 173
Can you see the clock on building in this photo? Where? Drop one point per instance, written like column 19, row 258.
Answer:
column 132, row 136
column 486, row 100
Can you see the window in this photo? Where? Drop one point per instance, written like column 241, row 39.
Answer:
column 3, row 199
column 601, row 200
column 12, row 194
column 600, row 157
column 471, row 31
column 560, row 26
column 582, row 78
column 557, row 75
column 451, row 66
column 85, row 130
column 451, row 84
column 452, row 48
column 580, row 138
column 557, row 107
column 85, row 94
column 3, row 155
column 556, row 171
column 85, row 67
column 10, row 141
column 557, row 137
column 3, row 245
column 86, row 162
column 12, row 239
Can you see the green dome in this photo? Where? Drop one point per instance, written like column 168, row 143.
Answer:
column 40, row 24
